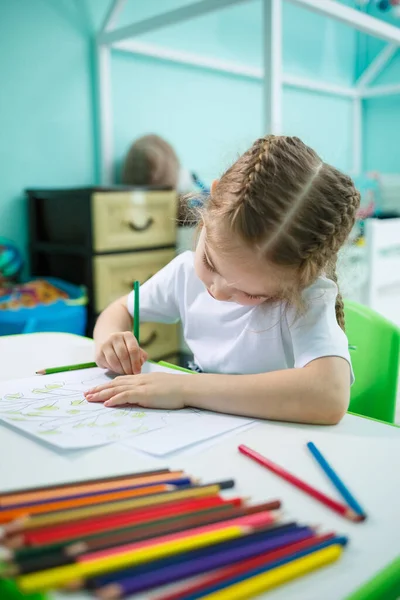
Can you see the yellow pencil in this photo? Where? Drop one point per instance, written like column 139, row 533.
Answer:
column 65, row 516
column 60, row 576
column 251, row 588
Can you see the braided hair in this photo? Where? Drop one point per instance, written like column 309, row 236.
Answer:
column 281, row 199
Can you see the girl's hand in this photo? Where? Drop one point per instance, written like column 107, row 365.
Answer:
column 121, row 354
column 151, row 390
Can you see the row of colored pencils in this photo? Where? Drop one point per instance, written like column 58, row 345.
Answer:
column 124, row 535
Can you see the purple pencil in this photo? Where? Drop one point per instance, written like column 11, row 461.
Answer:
column 173, row 573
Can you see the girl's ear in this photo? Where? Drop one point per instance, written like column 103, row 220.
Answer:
column 214, row 185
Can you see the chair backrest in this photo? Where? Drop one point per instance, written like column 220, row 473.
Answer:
column 374, row 349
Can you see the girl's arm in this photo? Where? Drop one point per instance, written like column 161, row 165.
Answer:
column 317, row 393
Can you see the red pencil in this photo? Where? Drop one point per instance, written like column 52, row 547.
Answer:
column 53, row 534
column 254, row 521
column 341, row 509
column 221, row 575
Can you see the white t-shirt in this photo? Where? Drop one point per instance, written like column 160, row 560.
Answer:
column 226, row 337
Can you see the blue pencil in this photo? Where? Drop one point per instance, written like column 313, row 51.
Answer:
column 337, row 482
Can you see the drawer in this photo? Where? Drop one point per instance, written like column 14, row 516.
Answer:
column 159, row 340
column 129, row 220
column 113, row 275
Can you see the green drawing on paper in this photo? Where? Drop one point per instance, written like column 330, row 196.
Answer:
column 78, row 402
column 48, row 407
column 139, row 430
column 138, row 415
column 49, row 432
column 73, row 411
column 13, row 396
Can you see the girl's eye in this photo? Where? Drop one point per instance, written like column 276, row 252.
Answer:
column 251, row 297
column 207, row 264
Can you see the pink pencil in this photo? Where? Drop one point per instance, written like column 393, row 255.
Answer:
column 261, row 519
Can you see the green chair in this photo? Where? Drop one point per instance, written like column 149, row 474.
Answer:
column 374, row 349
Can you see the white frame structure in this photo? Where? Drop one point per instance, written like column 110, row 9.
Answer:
column 272, row 75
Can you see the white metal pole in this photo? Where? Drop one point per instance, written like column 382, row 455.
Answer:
column 172, row 17
column 354, row 18
column 112, row 15
column 381, row 90
column 357, row 136
column 189, row 58
column 272, row 32
column 105, row 133
column 377, row 66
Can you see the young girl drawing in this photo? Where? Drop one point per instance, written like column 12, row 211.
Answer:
column 258, row 299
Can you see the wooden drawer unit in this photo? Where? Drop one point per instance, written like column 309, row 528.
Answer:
column 114, row 274
column 129, row 220
column 159, row 340
column 105, row 238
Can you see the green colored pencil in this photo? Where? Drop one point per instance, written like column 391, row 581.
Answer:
column 53, row 370
column 136, row 311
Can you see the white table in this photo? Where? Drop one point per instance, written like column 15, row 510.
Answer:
column 364, row 452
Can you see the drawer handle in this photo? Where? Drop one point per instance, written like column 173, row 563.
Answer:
column 139, row 228
column 152, row 338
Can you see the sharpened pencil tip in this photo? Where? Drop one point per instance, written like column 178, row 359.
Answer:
column 355, row 517
column 41, row 372
column 5, row 554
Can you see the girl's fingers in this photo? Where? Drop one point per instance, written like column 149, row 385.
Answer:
column 112, row 359
column 122, row 398
column 143, row 356
column 134, row 353
column 117, row 382
column 122, row 353
column 106, row 394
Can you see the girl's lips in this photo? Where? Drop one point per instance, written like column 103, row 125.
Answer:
column 210, row 294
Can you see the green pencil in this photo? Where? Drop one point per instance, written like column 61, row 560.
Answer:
column 136, row 311
column 53, row 370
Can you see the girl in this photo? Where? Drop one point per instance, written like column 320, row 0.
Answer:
column 258, row 300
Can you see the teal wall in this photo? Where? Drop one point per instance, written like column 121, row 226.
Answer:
column 381, row 116
column 47, row 135
column 46, row 127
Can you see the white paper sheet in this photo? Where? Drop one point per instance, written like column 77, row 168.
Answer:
column 187, row 428
column 53, row 409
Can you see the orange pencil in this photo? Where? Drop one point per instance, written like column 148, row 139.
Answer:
column 49, row 507
column 65, row 492
column 67, row 484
